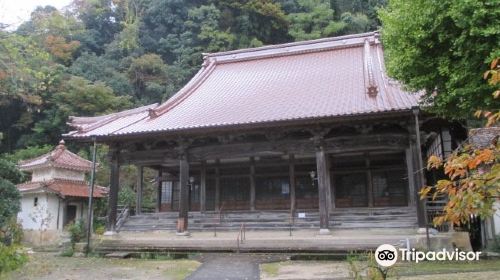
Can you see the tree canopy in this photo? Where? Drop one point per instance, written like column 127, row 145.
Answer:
column 102, row 55
column 441, row 48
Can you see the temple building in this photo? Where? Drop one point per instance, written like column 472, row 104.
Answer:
column 314, row 129
column 56, row 195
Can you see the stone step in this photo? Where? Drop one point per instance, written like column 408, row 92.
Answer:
column 341, row 218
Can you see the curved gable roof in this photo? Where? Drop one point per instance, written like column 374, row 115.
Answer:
column 325, row 78
column 59, row 157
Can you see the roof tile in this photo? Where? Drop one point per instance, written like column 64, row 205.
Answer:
column 305, row 80
column 63, row 187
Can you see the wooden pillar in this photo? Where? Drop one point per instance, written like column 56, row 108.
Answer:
column 182, row 221
column 252, row 184
column 203, row 187
column 139, row 188
column 217, row 185
column 332, row 184
column 114, row 186
column 328, row 184
column 419, row 170
column 411, row 177
column 322, row 176
column 369, row 182
column 158, row 191
column 291, row 173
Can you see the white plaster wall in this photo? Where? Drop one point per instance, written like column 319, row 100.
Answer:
column 45, row 174
column 30, row 216
column 496, row 218
column 42, row 174
column 68, row 174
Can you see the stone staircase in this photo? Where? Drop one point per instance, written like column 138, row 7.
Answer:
column 351, row 218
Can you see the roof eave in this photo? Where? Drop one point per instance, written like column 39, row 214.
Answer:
column 246, row 126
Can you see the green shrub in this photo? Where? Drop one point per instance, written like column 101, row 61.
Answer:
column 364, row 266
column 9, row 202
column 100, row 230
column 11, row 258
column 68, row 252
column 99, row 223
column 12, row 232
column 126, row 196
column 76, row 232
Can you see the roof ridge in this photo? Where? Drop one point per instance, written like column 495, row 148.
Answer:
column 25, row 161
column 296, row 48
column 293, row 44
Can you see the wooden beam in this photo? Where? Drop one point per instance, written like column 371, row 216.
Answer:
column 291, row 168
column 114, row 186
column 203, row 187
column 334, row 145
column 252, row 184
column 182, row 221
column 322, row 176
column 139, row 190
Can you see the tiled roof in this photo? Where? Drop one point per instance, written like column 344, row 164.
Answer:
column 63, row 188
column 59, row 157
column 484, row 137
column 326, row 78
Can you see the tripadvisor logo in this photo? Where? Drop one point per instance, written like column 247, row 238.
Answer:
column 386, row 255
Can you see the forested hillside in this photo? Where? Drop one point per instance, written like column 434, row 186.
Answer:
column 99, row 56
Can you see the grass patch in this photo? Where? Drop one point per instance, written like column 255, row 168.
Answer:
column 272, row 269
column 44, row 264
column 181, row 269
column 407, row 268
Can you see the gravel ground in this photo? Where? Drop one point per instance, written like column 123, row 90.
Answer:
column 228, row 267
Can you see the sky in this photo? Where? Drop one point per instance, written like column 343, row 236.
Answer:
column 14, row 12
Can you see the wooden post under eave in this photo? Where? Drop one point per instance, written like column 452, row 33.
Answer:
column 203, row 187
column 323, row 179
column 158, row 191
column 328, row 189
column 140, row 185
column 369, row 180
column 252, row 184
column 114, row 186
column 182, row 221
column 217, row 185
column 291, row 171
column 411, row 177
column 419, row 182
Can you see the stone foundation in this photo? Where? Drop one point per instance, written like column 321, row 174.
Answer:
column 42, row 238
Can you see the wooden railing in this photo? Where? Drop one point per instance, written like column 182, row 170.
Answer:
column 241, row 236
column 435, row 208
column 218, row 221
column 122, row 217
